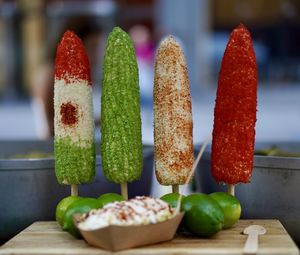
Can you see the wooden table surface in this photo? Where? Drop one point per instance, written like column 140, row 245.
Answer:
column 48, row 238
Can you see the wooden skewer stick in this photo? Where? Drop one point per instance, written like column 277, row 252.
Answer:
column 231, row 189
column 124, row 190
column 175, row 188
column 202, row 149
column 74, row 190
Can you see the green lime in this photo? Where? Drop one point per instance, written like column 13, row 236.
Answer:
column 171, row 199
column 83, row 205
column 203, row 215
column 109, row 198
column 231, row 207
column 62, row 207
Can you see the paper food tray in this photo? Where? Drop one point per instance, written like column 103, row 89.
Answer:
column 115, row 238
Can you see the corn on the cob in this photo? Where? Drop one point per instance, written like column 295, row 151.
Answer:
column 74, row 145
column 173, row 125
column 235, row 111
column 121, row 138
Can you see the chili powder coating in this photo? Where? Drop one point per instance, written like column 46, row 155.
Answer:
column 69, row 114
column 71, row 60
column 235, row 111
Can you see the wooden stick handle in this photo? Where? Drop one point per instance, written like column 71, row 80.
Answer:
column 231, row 189
column 124, row 190
column 175, row 188
column 251, row 245
column 201, row 151
column 74, row 190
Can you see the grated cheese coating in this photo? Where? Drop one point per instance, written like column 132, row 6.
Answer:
column 79, row 94
column 173, row 125
column 140, row 210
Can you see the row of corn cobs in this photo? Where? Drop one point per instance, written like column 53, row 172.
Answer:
column 121, row 138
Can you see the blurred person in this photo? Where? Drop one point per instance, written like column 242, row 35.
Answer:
column 42, row 90
column 145, row 51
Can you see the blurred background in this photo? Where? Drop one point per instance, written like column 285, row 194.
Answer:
column 29, row 33
column 31, row 29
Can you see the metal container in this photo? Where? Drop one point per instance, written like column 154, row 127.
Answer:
column 29, row 191
column 274, row 190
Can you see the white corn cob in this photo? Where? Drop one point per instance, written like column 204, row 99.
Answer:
column 173, row 125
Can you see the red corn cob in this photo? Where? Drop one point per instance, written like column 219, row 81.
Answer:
column 235, row 111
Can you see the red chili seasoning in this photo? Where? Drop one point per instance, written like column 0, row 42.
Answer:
column 235, row 111
column 71, row 59
column 69, row 114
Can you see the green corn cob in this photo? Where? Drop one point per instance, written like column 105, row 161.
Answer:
column 121, row 136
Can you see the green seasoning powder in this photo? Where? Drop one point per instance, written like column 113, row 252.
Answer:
column 74, row 164
column 121, row 136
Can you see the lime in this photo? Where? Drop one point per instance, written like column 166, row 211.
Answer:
column 231, row 207
column 62, row 207
column 109, row 198
column 171, row 199
column 203, row 215
column 83, row 205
